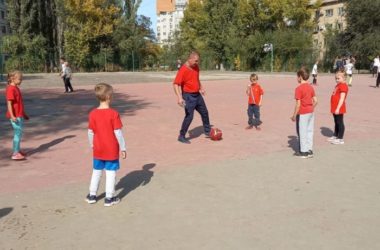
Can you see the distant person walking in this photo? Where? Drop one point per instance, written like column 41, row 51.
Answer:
column 349, row 69
column 314, row 72
column 376, row 66
column 66, row 75
column 189, row 92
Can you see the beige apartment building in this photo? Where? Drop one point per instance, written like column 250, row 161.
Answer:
column 330, row 16
column 169, row 15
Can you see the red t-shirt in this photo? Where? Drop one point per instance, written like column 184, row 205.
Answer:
column 13, row 94
column 305, row 93
column 339, row 88
column 188, row 78
column 257, row 92
column 103, row 122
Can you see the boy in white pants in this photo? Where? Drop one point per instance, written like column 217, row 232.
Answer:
column 106, row 139
column 304, row 113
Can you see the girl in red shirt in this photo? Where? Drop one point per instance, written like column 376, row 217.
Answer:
column 338, row 107
column 15, row 112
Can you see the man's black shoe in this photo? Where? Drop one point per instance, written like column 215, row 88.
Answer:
column 183, row 140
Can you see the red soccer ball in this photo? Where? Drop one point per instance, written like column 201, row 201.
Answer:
column 216, row 134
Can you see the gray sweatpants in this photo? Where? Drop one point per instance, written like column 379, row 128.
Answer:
column 305, row 131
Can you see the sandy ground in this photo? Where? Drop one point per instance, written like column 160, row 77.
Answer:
column 247, row 191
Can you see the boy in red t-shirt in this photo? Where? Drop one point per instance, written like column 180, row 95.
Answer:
column 106, row 139
column 338, row 107
column 304, row 113
column 255, row 96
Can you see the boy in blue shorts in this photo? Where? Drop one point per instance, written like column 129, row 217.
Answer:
column 106, row 139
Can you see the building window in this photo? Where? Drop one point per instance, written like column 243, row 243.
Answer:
column 339, row 26
column 341, row 11
column 2, row 15
column 329, row 12
column 4, row 29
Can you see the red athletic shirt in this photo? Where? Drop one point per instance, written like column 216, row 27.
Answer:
column 13, row 94
column 257, row 92
column 339, row 88
column 188, row 78
column 305, row 93
column 103, row 122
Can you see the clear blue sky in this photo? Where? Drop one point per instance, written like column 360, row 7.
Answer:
column 148, row 8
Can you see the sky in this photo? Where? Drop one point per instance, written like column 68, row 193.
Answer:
column 148, row 8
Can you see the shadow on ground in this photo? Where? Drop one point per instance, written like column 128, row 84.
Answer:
column 52, row 111
column 5, row 211
column 133, row 180
column 293, row 143
column 327, row 132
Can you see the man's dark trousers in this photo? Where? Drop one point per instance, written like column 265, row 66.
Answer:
column 194, row 101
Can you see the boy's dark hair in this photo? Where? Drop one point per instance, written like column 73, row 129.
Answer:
column 304, row 73
column 62, row 58
column 254, row 76
column 103, row 91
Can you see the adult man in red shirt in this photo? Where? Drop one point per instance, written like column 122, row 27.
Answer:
column 189, row 91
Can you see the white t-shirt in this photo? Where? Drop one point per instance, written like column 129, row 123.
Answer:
column 376, row 62
column 315, row 70
column 349, row 68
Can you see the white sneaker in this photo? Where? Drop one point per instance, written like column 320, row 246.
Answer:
column 337, row 142
column 332, row 138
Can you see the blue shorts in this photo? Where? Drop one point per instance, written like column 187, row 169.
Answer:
column 107, row 165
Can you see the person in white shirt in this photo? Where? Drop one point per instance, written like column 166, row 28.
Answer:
column 314, row 73
column 348, row 68
column 376, row 66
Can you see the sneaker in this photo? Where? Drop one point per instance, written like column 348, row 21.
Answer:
column 108, row 202
column 91, row 199
column 18, row 156
column 249, row 127
column 332, row 138
column 183, row 140
column 310, row 154
column 337, row 142
column 303, row 155
column 23, row 153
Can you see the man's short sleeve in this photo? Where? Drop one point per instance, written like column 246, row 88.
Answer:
column 179, row 77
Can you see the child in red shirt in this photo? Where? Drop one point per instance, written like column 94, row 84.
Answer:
column 15, row 112
column 106, row 139
column 304, row 113
column 338, row 107
column 255, row 96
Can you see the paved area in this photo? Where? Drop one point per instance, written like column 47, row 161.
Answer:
column 244, row 192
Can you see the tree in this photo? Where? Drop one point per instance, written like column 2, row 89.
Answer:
column 89, row 24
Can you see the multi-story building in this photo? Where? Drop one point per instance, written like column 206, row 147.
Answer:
column 169, row 15
column 4, row 26
column 329, row 16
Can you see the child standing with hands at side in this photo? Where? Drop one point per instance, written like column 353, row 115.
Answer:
column 255, row 96
column 303, row 113
column 15, row 112
column 338, row 107
column 106, row 139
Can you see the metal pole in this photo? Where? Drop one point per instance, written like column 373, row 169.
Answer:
column 271, row 60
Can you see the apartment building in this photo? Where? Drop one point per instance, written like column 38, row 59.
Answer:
column 4, row 26
column 330, row 16
column 169, row 15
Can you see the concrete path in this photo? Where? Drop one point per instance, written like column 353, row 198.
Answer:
column 247, row 191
